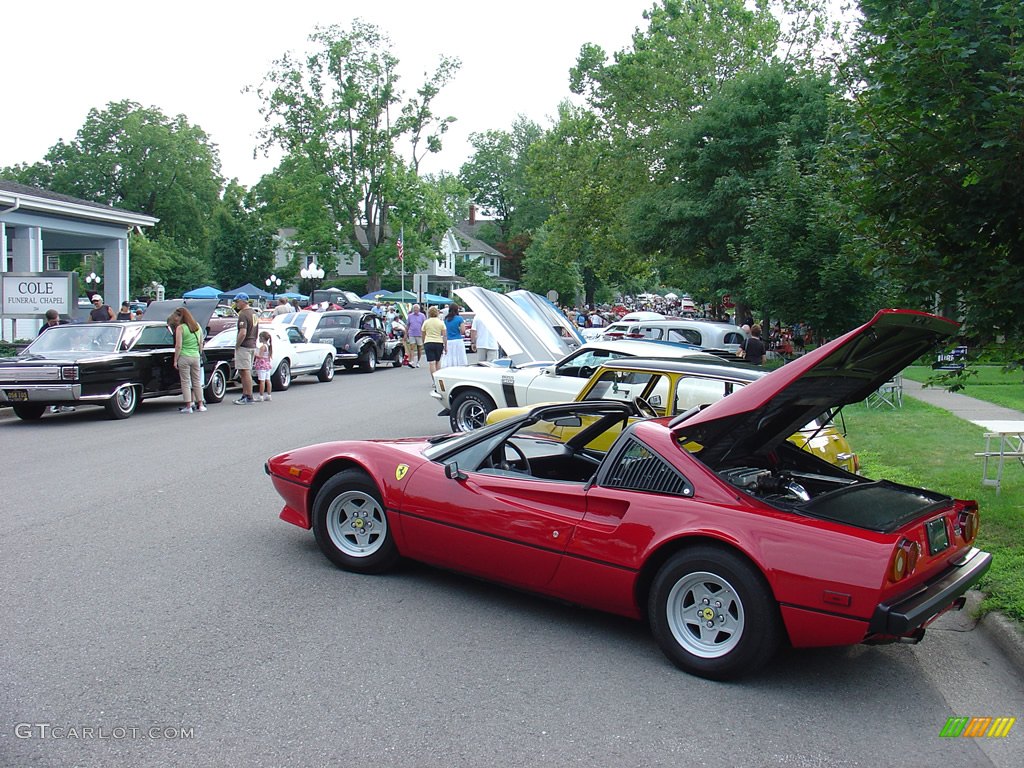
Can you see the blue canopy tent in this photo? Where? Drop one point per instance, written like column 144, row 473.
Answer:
column 206, row 292
column 249, row 288
column 431, row 298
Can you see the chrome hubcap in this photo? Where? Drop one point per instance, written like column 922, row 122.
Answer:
column 356, row 524
column 705, row 615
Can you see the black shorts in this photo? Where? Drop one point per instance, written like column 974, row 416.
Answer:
column 433, row 351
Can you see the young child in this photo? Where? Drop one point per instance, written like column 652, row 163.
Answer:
column 264, row 352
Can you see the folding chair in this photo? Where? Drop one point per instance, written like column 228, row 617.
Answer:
column 889, row 394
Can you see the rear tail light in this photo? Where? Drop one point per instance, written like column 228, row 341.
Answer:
column 904, row 560
column 69, row 372
column 967, row 523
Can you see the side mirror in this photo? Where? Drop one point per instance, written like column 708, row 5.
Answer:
column 655, row 400
column 451, row 471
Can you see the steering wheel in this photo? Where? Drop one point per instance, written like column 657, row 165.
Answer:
column 645, row 408
column 499, row 458
column 586, row 371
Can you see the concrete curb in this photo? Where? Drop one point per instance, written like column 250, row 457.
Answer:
column 1007, row 635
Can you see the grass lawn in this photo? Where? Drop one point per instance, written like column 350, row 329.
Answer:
column 925, row 446
column 988, row 382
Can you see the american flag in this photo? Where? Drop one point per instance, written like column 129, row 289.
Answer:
column 401, row 250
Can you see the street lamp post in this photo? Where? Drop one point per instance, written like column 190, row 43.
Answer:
column 92, row 282
column 314, row 274
column 273, row 282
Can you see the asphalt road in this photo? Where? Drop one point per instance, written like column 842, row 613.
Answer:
column 157, row 613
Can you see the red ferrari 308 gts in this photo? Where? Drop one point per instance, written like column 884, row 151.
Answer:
column 725, row 537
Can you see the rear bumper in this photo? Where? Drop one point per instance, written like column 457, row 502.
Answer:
column 919, row 608
column 47, row 394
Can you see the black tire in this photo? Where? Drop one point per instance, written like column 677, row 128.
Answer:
column 397, row 356
column 282, row 377
column 326, row 372
column 217, row 386
column 368, row 363
column 713, row 614
column 123, row 403
column 29, row 411
column 469, row 410
column 351, row 526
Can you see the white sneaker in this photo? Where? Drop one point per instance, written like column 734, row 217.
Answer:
column 266, row 398
column 201, row 408
column 185, row 409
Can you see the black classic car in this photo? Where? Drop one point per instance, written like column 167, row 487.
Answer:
column 112, row 364
column 357, row 335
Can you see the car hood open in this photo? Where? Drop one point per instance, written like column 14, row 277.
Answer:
column 201, row 309
column 524, row 327
column 757, row 418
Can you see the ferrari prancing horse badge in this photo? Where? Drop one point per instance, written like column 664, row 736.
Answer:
column 400, row 471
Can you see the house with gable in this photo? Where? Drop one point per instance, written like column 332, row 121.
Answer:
column 459, row 243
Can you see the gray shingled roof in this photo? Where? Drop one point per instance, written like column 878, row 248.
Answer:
column 23, row 189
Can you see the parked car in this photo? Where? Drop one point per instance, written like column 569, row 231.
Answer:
column 223, row 318
column 468, row 393
column 292, row 355
column 670, row 387
column 722, row 339
column 111, row 364
column 467, row 329
column 725, row 538
column 357, row 335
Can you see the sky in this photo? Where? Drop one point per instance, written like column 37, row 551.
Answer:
column 65, row 57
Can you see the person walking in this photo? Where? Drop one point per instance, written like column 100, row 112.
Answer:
column 188, row 346
column 245, row 346
column 125, row 313
column 435, row 339
column 283, row 307
column 455, row 350
column 414, row 335
column 263, row 364
column 753, row 349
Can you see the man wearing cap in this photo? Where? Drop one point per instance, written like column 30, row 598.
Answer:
column 101, row 312
column 245, row 346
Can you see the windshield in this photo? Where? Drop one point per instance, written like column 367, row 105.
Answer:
column 223, row 339
column 77, row 338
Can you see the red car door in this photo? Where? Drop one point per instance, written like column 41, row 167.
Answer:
column 508, row 528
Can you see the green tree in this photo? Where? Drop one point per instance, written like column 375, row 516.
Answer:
column 137, row 158
column 797, row 263
column 678, row 62
column 548, row 265
column 242, row 247
column 496, row 176
column 580, row 174
column 940, row 155
column 696, row 213
column 334, row 109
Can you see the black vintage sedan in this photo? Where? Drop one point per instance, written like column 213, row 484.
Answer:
column 358, row 336
column 115, row 365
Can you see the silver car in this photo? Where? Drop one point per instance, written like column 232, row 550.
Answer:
column 720, row 339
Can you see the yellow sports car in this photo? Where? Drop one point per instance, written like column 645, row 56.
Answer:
column 658, row 387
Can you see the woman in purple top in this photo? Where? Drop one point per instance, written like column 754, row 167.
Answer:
column 414, row 335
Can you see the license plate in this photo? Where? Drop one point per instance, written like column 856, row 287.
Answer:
column 17, row 395
column 938, row 535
